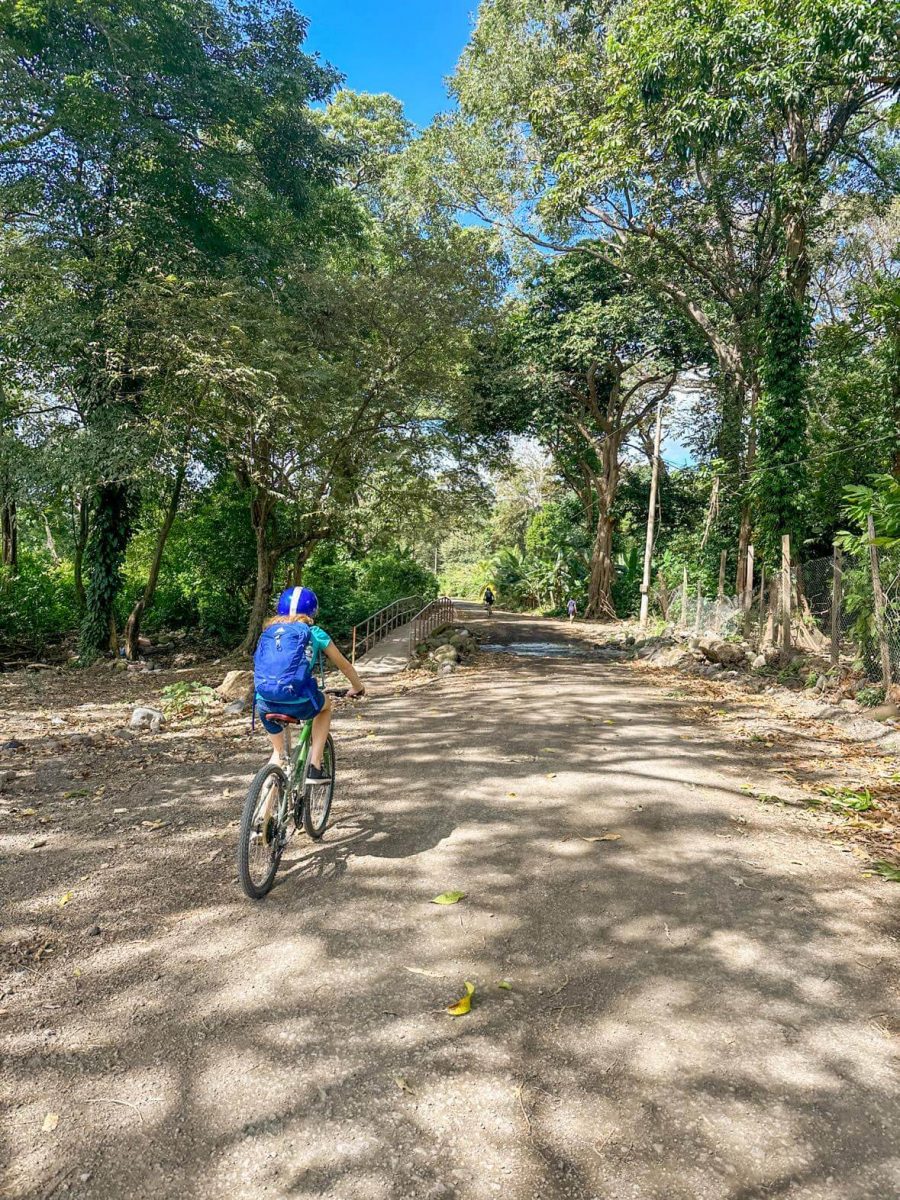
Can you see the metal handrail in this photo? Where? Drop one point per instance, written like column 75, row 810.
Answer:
column 435, row 613
column 381, row 623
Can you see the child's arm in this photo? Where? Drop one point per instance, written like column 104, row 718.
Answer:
column 346, row 668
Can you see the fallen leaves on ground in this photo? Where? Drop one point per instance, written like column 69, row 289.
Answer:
column 505, row 984
column 601, row 837
column 403, row 1085
column 449, row 898
column 51, row 1120
column 422, row 971
column 464, row 1004
column 66, row 898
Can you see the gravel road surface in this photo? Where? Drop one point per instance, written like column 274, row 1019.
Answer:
column 701, row 999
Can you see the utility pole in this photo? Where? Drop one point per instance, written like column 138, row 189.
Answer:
column 651, row 518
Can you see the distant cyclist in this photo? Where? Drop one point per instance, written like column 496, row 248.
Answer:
column 488, row 600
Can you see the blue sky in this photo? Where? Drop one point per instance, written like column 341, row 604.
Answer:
column 405, row 47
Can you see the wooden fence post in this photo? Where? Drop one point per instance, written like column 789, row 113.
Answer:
column 662, row 594
column 785, row 595
column 684, row 600
column 699, row 606
column 720, row 595
column 881, row 627
column 836, row 602
column 748, row 582
column 746, row 600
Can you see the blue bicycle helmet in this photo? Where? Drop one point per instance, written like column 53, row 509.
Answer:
column 297, row 600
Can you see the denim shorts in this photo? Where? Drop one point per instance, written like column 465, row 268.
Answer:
column 303, row 710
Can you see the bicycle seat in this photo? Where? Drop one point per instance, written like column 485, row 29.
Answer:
column 284, row 719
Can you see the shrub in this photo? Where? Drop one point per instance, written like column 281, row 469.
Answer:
column 37, row 605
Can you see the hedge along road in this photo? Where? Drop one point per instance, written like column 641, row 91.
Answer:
column 699, row 1003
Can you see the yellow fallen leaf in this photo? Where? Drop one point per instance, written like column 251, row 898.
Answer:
column 403, row 1085
column 422, row 971
column 449, row 898
column 50, row 1122
column 66, row 898
column 551, row 774
column 609, row 722
column 463, row 1005
column 157, row 824
column 511, row 795
column 505, row 984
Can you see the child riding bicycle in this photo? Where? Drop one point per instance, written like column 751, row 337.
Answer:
column 287, row 656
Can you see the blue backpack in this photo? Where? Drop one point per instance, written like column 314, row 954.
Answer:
column 282, row 664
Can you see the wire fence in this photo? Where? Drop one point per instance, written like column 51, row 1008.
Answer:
column 841, row 608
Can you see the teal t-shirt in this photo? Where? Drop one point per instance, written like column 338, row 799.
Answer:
column 319, row 640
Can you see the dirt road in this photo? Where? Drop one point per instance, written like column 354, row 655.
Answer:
column 701, row 1007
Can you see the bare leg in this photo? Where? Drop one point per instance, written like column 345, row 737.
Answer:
column 278, row 747
column 279, row 750
column 320, row 727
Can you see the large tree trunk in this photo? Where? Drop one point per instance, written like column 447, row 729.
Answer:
column 9, row 523
column 105, row 554
column 81, row 538
column 133, row 626
column 266, row 561
column 300, row 558
column 600, row 603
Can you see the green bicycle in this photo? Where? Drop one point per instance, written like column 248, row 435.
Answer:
column 279, row 803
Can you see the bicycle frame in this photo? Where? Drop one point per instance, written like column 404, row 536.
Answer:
column 297, row 759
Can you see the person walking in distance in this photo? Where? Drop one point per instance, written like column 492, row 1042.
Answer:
column 571, row 609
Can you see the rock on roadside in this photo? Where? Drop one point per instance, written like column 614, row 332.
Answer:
column 147, row 718
column 237, row 685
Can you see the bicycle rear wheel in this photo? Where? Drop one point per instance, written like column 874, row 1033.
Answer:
column 260, row 842
column 317, row 797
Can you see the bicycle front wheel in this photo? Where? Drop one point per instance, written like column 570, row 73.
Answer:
column 261, row 838
column 317, row 797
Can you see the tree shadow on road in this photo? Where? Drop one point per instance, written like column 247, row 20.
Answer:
column 696, row 1007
